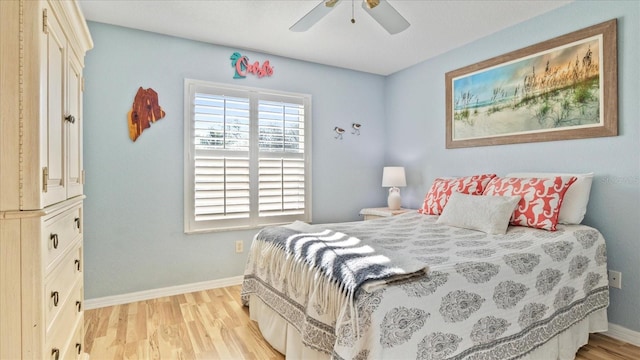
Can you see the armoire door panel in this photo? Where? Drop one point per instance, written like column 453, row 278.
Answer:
column 54, row 189
column 74, row 125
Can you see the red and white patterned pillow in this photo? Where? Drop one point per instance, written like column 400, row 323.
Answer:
column 541, row 199
column 438, row 195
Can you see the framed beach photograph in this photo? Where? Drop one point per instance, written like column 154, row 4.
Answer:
column 563, row 88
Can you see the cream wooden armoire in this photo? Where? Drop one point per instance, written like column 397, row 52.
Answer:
column 42, row 50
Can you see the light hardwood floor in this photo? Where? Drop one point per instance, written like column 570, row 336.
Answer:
column 213, row 324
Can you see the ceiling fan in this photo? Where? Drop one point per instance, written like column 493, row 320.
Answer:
column 380, row 10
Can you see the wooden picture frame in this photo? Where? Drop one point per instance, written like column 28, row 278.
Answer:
column 559, row 89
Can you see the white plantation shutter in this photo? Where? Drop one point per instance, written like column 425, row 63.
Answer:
column 281, row 187
column 221, row 122
column 281, row 157
column 222, row 188
column 246, row 163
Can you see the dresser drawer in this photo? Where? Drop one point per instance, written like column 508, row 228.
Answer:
column 60, row 284
column 62, row 336
column 59, row 233
column 74, row 346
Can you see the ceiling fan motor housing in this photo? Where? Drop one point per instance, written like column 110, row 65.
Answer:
column 380, row 10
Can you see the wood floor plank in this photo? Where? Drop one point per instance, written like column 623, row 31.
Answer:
column 601, row 347
column 213, row 324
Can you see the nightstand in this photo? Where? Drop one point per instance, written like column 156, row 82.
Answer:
column 378, row 213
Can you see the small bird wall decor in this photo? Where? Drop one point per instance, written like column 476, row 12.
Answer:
column 356, row 128
column 340, row 131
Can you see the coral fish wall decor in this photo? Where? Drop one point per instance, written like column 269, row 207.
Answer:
column 145, row 110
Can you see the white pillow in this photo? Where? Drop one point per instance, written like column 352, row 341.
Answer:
column 489, row 214
column 574, row 205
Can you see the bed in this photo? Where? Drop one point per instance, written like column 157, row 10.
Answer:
column 522, row 292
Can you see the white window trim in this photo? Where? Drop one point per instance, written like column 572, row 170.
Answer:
column 190, row 225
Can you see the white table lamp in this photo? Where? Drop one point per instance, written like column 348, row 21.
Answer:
column 392, row 177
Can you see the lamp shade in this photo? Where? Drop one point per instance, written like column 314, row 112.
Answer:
column 393, row 176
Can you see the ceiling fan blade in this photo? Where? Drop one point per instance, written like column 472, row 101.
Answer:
column 313, row 16
column 386, row 15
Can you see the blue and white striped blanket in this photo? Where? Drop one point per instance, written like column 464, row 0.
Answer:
column 343, row 259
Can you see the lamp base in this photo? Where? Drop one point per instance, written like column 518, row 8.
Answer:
column 393, row 201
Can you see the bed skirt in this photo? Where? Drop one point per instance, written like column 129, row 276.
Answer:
column 285, row 338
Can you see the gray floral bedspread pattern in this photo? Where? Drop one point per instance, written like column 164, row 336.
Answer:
column 486, row 296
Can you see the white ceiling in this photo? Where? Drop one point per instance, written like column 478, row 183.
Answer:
column 437, row 26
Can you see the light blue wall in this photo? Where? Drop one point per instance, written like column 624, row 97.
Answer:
column 416, row 136
column 133, row 222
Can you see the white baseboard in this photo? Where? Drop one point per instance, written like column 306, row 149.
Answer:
column 156, row 293
column 623, row 334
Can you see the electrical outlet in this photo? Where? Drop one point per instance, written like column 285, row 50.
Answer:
column 239, row 246
column 615, row 279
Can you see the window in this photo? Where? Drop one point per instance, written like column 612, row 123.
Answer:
column 247, row 157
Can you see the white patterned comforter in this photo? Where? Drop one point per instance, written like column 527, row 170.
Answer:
column 486, row 297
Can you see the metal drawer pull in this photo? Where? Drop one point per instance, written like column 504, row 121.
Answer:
column 79, row 305
column 70, row 118
column 79, row 348
column 54, row 239
column 77, row 220
column 77, row 263
column 55, row 297
column 55, row 353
